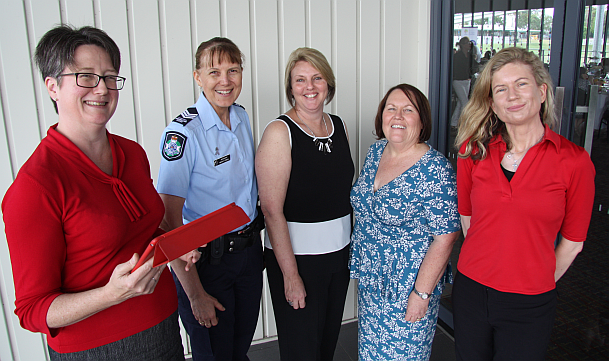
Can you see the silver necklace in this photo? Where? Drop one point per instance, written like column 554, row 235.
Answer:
column 321, row 146
column 512, row 156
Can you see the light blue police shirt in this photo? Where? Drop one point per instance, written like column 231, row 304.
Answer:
column 208, row 164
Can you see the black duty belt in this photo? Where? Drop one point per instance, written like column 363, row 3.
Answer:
column 233, row 242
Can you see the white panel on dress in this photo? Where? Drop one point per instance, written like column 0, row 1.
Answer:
column 147, row 78
column 112, row 18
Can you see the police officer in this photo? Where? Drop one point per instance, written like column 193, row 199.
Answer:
column 208, row 162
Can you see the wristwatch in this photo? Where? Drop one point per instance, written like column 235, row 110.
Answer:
column 423, row 295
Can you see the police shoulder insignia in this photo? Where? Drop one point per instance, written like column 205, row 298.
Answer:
column 186, row 116
column 173, row 145
column 239, row 105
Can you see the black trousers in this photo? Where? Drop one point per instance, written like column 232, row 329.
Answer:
column 494, row 325
column 237, row 284
column 310, row 333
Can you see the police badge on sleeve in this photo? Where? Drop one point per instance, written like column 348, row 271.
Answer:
column 173, row 147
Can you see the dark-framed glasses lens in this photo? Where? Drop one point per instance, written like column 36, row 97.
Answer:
column 114, row 82
column 87, row 80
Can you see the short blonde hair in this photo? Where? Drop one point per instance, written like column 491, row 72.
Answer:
column 318, row 61
column 478, row 123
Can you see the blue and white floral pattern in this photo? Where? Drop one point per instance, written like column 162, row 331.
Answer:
column 394, row 228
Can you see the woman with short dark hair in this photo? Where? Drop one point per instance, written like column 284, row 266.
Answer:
column 80, row 210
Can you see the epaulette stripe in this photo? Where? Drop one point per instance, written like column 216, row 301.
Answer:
column 186, row 116
column 189, row 113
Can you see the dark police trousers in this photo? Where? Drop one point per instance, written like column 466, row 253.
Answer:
column 236, row 282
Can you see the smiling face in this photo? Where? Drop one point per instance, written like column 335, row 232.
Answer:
column 220, row 81
column 84, row 105
column 401, row 120
column 516, row 97
column 309, row 88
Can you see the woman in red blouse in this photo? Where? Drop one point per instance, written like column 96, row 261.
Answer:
column 79, row 210
column 520, row 185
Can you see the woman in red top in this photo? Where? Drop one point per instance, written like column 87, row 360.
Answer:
column 520, row 185
column 79, row 210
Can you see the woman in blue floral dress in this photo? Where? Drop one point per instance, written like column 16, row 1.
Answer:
column 406, row 222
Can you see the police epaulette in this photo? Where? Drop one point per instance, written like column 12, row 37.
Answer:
column 239, row 105
column 186, row 116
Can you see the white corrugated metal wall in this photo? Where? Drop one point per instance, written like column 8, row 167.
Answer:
column 371, row 45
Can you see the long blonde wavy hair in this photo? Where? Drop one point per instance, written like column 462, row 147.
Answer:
column 478, row 124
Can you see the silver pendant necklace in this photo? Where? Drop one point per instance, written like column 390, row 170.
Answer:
column 326, row 147
column 512, row 156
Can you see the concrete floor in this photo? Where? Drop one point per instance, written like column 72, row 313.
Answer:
column 443, row 348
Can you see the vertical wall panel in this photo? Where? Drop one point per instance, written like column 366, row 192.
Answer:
column 78, row 12
column 344, row 65
column 41, row 16
column 176, row 54
column 18, row 98
column 205, row 22
column 266, row 97
column 237, row 27
column 265, row 55
column 147, row 78
column 370, row 44
column 20, row 134
column 414, row 65
column 292, row 36
column 392, row 42
column 369, row 92
column 112, row 17
column 319, row 26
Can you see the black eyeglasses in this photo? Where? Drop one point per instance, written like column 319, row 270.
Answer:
column 91, row 80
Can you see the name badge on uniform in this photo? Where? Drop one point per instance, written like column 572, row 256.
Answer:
column 219, row 161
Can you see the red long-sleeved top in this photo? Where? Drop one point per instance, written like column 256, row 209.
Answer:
column 68, row 225
column 510, row 242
